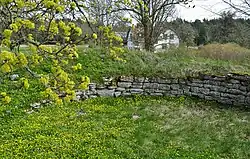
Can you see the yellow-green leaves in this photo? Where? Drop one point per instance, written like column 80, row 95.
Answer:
column 44, row 80
column 84, row 82
column 7, row 33
column 25, row 83
column 7, row 61
column 77, row 67
column 22, row 60
column 5, row 99
column 37, row 24
column 94, row 36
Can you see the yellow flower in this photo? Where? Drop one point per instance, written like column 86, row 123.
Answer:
column 94, row 36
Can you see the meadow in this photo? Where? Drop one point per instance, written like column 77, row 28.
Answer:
column 130, row 127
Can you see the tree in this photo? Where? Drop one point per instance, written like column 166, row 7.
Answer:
column 151, row 14
column 19, row 19
column 240, row 6
column 184, row 30
column 202, row 36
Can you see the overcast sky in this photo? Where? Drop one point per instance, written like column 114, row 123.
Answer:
column 203, row 9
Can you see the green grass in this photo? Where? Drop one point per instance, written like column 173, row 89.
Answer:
column 215, row 59
column 166, row 128
column 174, row 63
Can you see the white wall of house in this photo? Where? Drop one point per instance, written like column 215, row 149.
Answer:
column 167, row 39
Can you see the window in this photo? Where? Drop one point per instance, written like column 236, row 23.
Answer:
column 165, row 36
column 171, row 36
column 164, row 46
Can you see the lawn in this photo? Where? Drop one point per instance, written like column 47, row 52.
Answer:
column 134, row 127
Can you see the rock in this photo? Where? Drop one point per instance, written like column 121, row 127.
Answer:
column 92, row 96
column 151, row 85
column 135, row 117
column 124, row 84
column 78, row 98
column 30, row 111
column 92, row 86
column 36, row 105
column 117, row 94
column 8, row 112
column 80, row 113
column 106, row 93
column 139, row 79
column 126, row 79
column 14, row 77
column 120, row 89
column 79, row 93
column 135, row 90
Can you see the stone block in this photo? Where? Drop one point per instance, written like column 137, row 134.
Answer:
column 195, row 89
column 92, row 86
column 175, row 86
column 124, row 84
column 247, row 100
column 196, row 81
column 135, row 90
column 112, row 87
column 164, row 87
column 234, row 91
column 234, row 81
column 106, row 93
column 225, row 101
column 126, row 79
column 149, row 90
column 136, row 85
column 174, row 81
column 204, row 91
column 120, row 89
column 151, row 85
column 208, row 98
column 139, row 79
column 126, row 94
column 243, row 88
column 117, row 94
column 176, row 92
column 156, row 94
column 214, row 94
column 163, row 81
column 222, row 89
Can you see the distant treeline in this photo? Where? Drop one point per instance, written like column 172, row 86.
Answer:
column 226, row 29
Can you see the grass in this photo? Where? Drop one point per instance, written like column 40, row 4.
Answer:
column 180, row 62
column 229, row 51
column 105, row 128
column 135, row 127
column 216, row 59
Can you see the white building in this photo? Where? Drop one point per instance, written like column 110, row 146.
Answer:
column 166, row 40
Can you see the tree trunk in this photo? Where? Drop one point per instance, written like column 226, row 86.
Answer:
column 148, row 41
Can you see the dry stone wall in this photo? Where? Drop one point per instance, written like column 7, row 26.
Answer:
column 231, row 89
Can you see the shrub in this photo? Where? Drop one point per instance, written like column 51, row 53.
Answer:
column 229, row 51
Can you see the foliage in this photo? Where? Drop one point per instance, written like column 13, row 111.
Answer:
column 20, row 20
column 186, row 33
column 105, row 128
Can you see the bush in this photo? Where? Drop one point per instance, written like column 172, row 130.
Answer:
column 229, row 51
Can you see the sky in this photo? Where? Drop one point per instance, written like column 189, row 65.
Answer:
column 203, row 9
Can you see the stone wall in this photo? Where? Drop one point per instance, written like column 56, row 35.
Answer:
column 231, row 89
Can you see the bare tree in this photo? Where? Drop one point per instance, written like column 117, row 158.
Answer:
column 241, row 6
column 151, row 14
